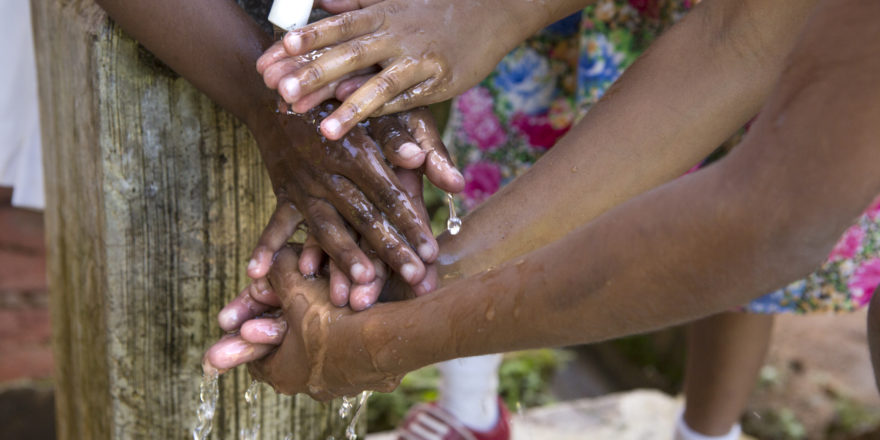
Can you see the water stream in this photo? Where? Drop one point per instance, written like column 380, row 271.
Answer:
column 209, row 392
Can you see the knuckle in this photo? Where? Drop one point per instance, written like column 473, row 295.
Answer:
column 312, row 73
column 347, row 25
column 389, row 196
column 357, row 51
column 386, row 84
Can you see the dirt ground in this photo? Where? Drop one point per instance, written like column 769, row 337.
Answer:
column 818, row 375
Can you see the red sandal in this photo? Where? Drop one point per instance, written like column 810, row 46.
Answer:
column 427, row 421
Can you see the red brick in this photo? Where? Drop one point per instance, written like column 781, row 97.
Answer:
column 26, row 363
column 21, row 273
column 22, row 231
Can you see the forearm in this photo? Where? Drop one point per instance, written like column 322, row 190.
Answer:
column 211, row 43
column 698, row 83
column 764, row 216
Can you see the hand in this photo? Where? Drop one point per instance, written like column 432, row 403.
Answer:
column 418, row 45
column 349, row 181
column 305, row 361
column 398, row 135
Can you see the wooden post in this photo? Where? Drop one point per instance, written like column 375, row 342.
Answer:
column 154, row 199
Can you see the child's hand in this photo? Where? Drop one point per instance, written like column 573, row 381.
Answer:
column 429, row 52
column 294, row 351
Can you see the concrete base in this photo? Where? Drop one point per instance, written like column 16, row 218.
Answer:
column 634, row 415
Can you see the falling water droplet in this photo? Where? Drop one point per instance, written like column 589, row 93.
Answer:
column 453, row 225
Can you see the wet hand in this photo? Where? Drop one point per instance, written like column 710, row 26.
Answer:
column 311, row 357
column 417, row 44
column 398, row 136
column 337, row 185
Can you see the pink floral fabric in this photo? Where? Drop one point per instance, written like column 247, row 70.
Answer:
column 499, row 128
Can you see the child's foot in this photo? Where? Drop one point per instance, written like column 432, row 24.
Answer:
column 428, row 421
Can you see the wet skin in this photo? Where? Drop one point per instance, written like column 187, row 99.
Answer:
column 417, row 44
column 752, row 222
column 329, row 184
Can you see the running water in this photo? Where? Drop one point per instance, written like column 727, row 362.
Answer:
column 350, row 433
column 252, row 399
column 453, row 225
column 209, row 392
column 345, row 409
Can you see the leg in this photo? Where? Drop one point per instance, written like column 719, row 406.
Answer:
column 469, row 390
column 725, row 353
column 874, row 334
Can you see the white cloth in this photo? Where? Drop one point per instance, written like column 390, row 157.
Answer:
column 20, row 156
column 469, row 390
column 685, row 432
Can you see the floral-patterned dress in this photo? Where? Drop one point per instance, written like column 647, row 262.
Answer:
column 540, row 89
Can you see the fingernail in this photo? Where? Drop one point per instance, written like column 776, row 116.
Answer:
column 408, row 151
column 290, row 88
column 358, row 270
column 408, row 271
column 227, row 318
column 456, row 175
column 423, row 288
column 427, row 251
column 331, row 127
column 293, row 42
column 252, row 264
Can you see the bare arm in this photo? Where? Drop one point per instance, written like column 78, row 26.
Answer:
column 697, row 84
column 765, row 215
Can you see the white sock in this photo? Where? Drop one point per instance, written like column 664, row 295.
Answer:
column 685, row 432
column 469, row 390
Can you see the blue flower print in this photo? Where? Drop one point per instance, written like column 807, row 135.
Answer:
column 525, row 79
column 598, row 66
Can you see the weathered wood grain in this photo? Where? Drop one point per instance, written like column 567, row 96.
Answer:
column 154, row 199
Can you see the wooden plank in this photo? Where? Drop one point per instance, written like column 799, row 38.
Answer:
column 154, row 199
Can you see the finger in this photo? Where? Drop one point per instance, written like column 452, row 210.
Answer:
column 429, row 284
column 264, row 331
column 332, row 65
column 348, row 86
column 326, row 92
column 339, row 286
column 383, row 190
column 281, row 226
column 232, row 351
column 377, row 231
column 281, row 68
column 311, row 256
column 411, row 182
column 438, row 164
column 378, row 90
column 273, row 54
column 338, row 6
column 240, row 309
column 332, row 30
column 396, row 142
column 329, row 229
column 362, row 296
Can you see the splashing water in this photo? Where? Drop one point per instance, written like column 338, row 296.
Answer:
column 350, row 433
column 252, row 399
column 453, row 225
column 345, row 408
column 209, row 392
